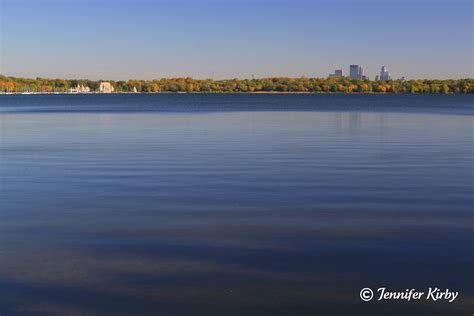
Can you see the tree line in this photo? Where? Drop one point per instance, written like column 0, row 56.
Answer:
column 280, row 84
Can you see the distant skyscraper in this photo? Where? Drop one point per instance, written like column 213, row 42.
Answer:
column 384, row 74
column 354, row 71
column 337, row 74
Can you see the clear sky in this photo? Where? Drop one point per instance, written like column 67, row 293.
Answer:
column 145, row 39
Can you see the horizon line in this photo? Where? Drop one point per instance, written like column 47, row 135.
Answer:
column 216, row 79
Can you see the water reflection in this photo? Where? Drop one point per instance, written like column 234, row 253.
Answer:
column 232, row 213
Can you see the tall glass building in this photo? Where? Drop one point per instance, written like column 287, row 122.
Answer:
column 384, row 74
column 356, row 72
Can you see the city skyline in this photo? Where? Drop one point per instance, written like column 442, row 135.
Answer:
column 118, row 40
column 357, row 72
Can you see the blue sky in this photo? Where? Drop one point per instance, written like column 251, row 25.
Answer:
column 144, row 39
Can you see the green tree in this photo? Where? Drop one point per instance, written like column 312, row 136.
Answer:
column 445, row 88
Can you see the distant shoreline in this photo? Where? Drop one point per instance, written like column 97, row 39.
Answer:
column 277, row 85
column 223, row 93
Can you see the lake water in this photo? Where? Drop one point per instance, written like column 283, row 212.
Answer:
column 234, row 204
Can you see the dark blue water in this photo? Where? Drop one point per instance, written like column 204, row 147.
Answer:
column 448, row 104
column 234, row 204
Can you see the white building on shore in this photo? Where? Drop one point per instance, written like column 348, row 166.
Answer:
column 106, row 87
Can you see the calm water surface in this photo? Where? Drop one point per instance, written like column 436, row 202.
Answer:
column 234, row 204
